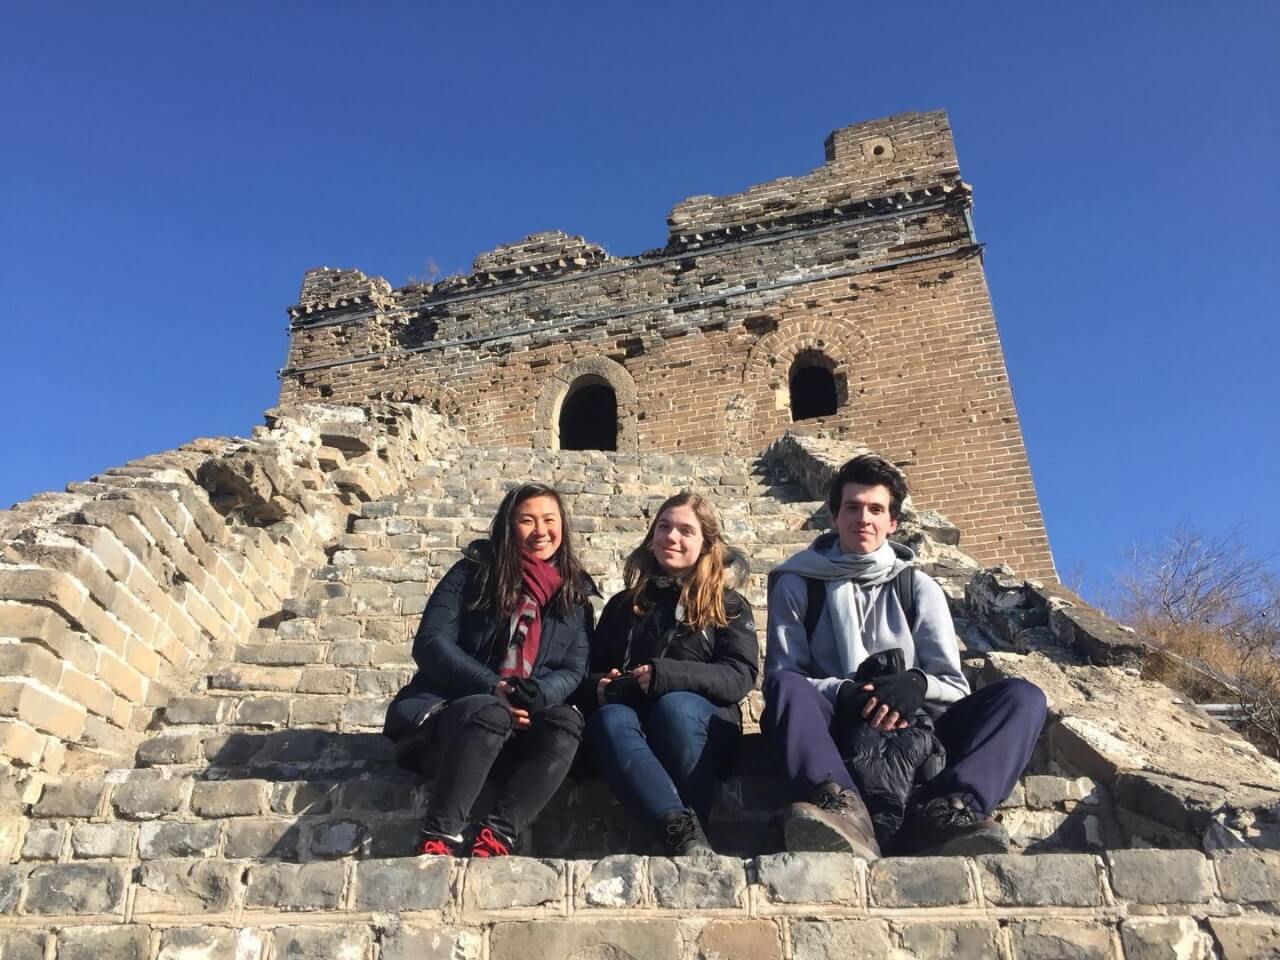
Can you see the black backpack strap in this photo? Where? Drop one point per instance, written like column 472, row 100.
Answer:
column 817, row 600
column 904, row 585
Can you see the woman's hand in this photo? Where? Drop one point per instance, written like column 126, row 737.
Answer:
column 604, row 682
column 643, row 675
column 519, row 718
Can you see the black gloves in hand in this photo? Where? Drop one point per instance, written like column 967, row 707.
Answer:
column 526, row 694
column 625, row 690
column 903, row 692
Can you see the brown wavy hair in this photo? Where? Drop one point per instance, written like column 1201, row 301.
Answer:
column 501, row 579
column 702, row 590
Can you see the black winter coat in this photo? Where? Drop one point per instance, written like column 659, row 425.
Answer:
column 455, row 644
column 720, row 663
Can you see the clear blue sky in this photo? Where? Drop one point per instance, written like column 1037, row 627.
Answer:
column 170, row 170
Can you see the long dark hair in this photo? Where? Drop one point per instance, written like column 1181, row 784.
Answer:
column 702, row 590
column 501, row 580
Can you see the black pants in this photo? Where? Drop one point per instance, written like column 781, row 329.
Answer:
column 473, row 733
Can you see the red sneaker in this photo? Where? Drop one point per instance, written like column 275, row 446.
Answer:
column 433, row 845
column 488, row 844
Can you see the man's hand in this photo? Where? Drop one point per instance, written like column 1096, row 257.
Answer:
column 604, row 682
column 519, row 717
column 644, row 676
column 885, row 702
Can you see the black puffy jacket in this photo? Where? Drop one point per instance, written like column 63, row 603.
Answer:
column 454, row 646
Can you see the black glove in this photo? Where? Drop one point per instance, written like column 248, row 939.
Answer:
column 625, row 690
column 526, row 694
column 903, row 692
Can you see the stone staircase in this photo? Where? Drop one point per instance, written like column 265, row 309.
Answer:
column 264, row 814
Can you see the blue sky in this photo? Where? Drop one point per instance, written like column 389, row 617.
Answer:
column 170, row 171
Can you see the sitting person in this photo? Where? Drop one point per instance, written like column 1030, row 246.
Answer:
column 502, row 644
column 865, row 589
column 672, row 656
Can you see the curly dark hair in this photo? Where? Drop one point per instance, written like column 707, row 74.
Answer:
column 869, row 470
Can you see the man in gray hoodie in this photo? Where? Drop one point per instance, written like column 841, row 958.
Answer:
column 867, row 605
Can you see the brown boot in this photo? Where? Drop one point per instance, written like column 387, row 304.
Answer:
column 836, row 821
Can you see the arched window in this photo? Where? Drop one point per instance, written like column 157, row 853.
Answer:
column 813, row 387
column 589, row 415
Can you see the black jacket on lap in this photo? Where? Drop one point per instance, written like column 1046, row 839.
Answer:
column 455, row 646
column 720, row 663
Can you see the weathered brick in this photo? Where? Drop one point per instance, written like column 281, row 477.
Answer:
column 697, row 883
column 100, row 942
column 186, row 886
column 811, row 877
column 1046, row 880
column 1161, row 876
column 952, row 940
column 160, row 839
column 337, row 838
column 503, row 882
column 23, row 944
column 613, row 882
column 293, row 886
column 1062, row 940
column 71, row 798
column 919, row 882
column 43, row 841
column 169, row 749
column 650, row 939
column 78, row 889
column 253, row 838
column 1165, row 938
column 228, row 798
column 190, row 943
column 1250, row 876
column 741, row 939
column 148, row 797
column 840, row 940
column 408, row 883
column 41, row 708
column 102, row 840
column 322, row 942
column 11, row 881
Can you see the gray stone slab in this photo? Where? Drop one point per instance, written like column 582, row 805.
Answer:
column 262, row 839
column 1249, row 876
column 951, row 940
column 1165, row 938
column 228, row 798
column 326, row 942
column 811, row 877
column 1161, row 876
column 43, row 841
column 96, row 841
column 407, row 883
column 211, row 943
column 23, row 944
column 148, row 798
column 413, row 941
column 840, row 940
column 11, row 880
column 70, row 798
column 587, row 940
column 186, row 886
column 1246, row 939
column 502, row 882
column 614, row 882
column 101, row 942
column 697, row 883
column 1062, row 940
column 740, row 939
column 296, row 886
column 76, row 889
column 165, row 838
column 919, row 882
column 337, row 838
column 1068, row 879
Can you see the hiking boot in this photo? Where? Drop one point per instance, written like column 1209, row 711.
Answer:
column 682, row 834
column 953, row 826
column 437, row 845
column 836, row 821
column 489, row 843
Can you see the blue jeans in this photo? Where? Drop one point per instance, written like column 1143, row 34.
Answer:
column 664, row 756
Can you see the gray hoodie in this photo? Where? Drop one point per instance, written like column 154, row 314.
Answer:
column 930, row 647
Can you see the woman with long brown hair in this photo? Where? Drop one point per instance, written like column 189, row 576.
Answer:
column 672, row 657
column 502, row 644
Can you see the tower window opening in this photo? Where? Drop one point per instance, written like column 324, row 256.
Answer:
column 813, row 393
column 589, row 416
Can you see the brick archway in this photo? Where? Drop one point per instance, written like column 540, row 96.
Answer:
column 595, row 370
column 833, row 346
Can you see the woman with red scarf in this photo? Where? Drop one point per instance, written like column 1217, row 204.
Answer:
column 502, row 644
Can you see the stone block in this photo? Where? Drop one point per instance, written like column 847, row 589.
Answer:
column 1044, row 793
column 306, row 797
column 99, row 942
column 503, row 882
column 698, row 882
column 231, row 750
column 270, row 712
column 71, row 798
column 159, row 839
column 261, row 839
column 740, row 939
column 23, row 944
column 1062, row 940
column 337, row 838
column 43, row 841
column 1246, row 938
column 919, row 882
column 11, row 880
column 1161, row 876
column 186, row 886
column 407, row 883
column 228, row 798
column 206, row 710
column 1250, row 876
column 29, row 660
column 90, row 841
column 149, row 798
column 951, row 940
column 171, row 749
column 344, row 940
column 412, row 941
column 1165, row 938
column 611, row 939
column 295, row 886
column 1067, row 879
column 840, row 940
column 811, row 877
column 76, row 889
column 615, row 882
column 210, row 943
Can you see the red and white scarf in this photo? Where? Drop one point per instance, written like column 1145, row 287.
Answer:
column 541, row 581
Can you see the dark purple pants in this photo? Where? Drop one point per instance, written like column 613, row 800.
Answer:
column 989, row 736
